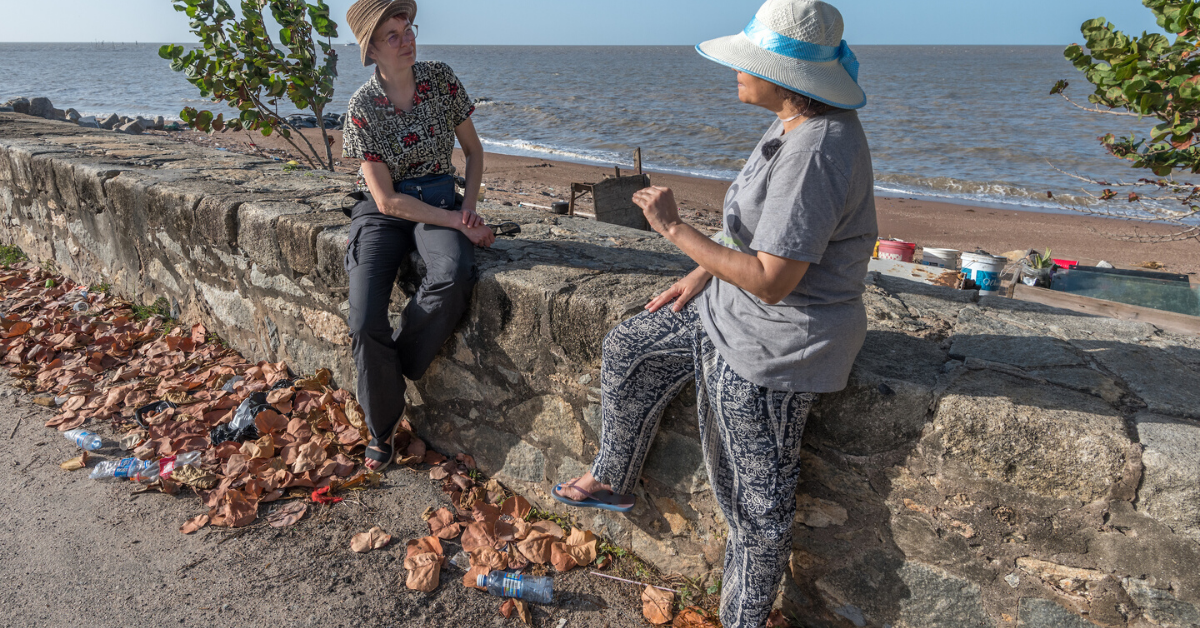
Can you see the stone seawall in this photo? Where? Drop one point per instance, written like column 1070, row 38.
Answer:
column 993, row 463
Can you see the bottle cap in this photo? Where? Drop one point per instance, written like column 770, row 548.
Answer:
column 481, row 581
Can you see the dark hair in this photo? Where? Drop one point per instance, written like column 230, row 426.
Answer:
column 805, row 106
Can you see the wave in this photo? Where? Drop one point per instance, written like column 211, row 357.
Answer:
column 523, row 148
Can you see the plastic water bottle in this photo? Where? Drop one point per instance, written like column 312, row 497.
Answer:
column 536, row 589
column 83, row 439
column 143, row 470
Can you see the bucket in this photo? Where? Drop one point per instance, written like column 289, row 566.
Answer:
column 560, row 208
column 897, row 250
column 985, row 270
column 940, row 258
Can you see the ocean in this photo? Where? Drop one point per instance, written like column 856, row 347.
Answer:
column 965, row 124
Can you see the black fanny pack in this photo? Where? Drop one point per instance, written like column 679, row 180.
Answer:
column 435, row 189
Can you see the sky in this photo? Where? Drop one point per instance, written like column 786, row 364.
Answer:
column 614, row 22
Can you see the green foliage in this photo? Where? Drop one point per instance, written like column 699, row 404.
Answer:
column 161, row 308
column 238, row 63
column 1039, row 261
column 1151, row 76
column 10, row 255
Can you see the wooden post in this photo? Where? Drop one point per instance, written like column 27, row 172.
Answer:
column 637, row 160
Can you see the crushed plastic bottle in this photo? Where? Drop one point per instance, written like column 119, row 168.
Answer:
column 143, row 470
column 536, row 589
column 80, row 307
column 84, row 439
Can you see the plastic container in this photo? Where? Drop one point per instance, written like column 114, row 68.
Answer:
column 940, row 258
column 143, row 470
column 83, row 439
column 536, row 589
column 985, row 270
column 897, row 250
column 1066, row 263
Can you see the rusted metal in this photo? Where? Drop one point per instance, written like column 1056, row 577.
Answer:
column 613, row 197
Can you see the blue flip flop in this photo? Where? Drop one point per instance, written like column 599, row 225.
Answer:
column 604, row 500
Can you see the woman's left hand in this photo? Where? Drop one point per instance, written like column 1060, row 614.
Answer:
column 471, row 219
column 658, row 205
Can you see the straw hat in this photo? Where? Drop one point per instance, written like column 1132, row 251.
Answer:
column 365, row 16
column 796, row 44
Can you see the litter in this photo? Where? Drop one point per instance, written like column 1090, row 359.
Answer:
column 85, row 440
column 536, row 589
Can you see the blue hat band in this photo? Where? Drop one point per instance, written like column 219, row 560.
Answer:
column 771, row 41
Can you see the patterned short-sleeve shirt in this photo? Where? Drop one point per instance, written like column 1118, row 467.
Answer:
column 413, row 144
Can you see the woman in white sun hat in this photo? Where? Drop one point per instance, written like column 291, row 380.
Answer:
column 772, row 316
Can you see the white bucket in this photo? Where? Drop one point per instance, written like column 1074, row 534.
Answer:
column 985, row 270
column 940, row 258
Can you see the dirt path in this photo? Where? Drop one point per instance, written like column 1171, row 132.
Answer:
column 74, row 551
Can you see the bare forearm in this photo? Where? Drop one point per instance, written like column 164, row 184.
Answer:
column 406, row 207
column 474, row 179
column 761, row 275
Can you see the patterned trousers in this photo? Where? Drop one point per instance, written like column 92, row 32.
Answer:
column 750, row 436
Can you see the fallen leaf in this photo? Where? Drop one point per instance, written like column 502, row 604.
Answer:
column 423, row 560
column 438, row 473
column 416, row 449
column 561, row 559
column 656, row 605
column 507, row 608
column 194, row 477
column 311, row 456
column 488, row 558
column 693, row 617
column 199, row 333
column 287, row 514
column 194, row 524
column 467, row 460
column 485, row 511
column 549, row 527
column 132, row 439
column 433, row 457
column 236, row 512
column 270, row 422
column 76, row 463
column 604, row 562
column 442, row 524
column 375, row 538
column 582, row 546
column 476, row 535
column 511, row 530
column 536, row 547
column 516, row 507
column 523, row 612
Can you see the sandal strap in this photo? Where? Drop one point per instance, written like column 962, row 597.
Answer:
column 572, row 486
column 380, row 451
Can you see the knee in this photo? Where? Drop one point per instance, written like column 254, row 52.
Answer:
column 362, row 321
column 458, row 272
column 617, row 343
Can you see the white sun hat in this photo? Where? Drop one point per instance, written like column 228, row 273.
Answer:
column 796, row 44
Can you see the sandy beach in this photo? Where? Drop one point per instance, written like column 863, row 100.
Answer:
column 1088, row 239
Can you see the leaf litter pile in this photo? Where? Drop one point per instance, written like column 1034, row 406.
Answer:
column 172, row 391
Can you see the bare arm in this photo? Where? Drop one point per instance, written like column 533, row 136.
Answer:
column 473, row 151
column 392, row 203
column 768, row 277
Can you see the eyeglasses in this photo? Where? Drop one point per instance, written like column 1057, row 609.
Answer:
column 394, row 40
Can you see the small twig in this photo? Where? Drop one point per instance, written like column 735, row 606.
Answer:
column 235, row 535
column 641, row 584
column 1090, row 110
column 14, row 432
column 193, row 564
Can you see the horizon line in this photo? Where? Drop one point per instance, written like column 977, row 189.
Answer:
column 350, row 43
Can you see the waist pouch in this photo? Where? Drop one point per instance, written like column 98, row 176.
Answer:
column 435, row 189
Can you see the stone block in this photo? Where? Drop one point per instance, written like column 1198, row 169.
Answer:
column 503, row 455
column 258, row 237
column 41, row 107
column 217, row 220
column 19, row 105
column 872, row 415
column 676, row 461
column 1167, row 385
column 133, row 127
column 331, row 255
column 550, row 422
column 1039, row 613
column 987, row 337
column 89, row 122
column 1170, row 489
column 937, row 599
column 1160, row 607
column 110, row 122
column 1047, row 440
column 298, row 237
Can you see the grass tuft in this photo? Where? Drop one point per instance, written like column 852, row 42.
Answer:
column 10, row 255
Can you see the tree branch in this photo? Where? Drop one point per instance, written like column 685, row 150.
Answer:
column 1109, row 112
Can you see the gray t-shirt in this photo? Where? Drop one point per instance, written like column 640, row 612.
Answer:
column 812, row 200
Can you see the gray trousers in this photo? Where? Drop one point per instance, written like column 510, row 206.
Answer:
column 383, row 356
column 750, row 436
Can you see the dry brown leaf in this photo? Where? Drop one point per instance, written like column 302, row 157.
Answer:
column 523, row 612
column 561, row 559
column 693, row 617
column 236, row 465
column 423, row 545
column 194, row 477
column 132, row 439
column 489, row 558
column 536, row 547
column 510, row 530
column 287, row 514
column 199, row 333
column 549, row 527
column 442, row 524
column 477, row 534
column 270, row 422
column 467, row 460
column 582, row 546
column 438, row 473
column 604, row 562
column 374, row 538
column 261, row 448
column 657, row 604
column 433, row 457
column 485, row 511
column 516, row 507
column 508, row 607
column 424, row 564
column 194, row 524
column 471, row 579
column 311, row 455
column 76, row 463
column 416, row 449
column 236, row 511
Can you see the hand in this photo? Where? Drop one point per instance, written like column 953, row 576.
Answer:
column 682, row 292
column 658, row 205
column 481, row 236
column 470, row 218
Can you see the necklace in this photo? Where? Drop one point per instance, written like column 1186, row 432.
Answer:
column 799, row 115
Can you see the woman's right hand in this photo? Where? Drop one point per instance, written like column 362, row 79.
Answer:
column 682, row 292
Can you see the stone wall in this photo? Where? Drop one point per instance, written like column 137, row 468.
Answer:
column 993, row 463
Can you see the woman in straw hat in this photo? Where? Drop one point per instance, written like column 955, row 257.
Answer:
column 772, row 317
column 401, row 126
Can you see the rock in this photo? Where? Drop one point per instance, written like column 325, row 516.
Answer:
column 819, row 513
column 6, row 109
column 549, row 419
column 159, row 123
column 19, row 105
column 1039, row 613
column 1170, row 490
column 73, row 115
column 41, row 107
column 1160, row 607
column 89, row 122
column 110, row 122
column 985, row 337
column 676, row 461
column 133, row 127
column 1048, row 440
column 1167, row 385
column 938, row 599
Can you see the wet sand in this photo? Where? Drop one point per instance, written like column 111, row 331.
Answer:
column 1087, row 239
